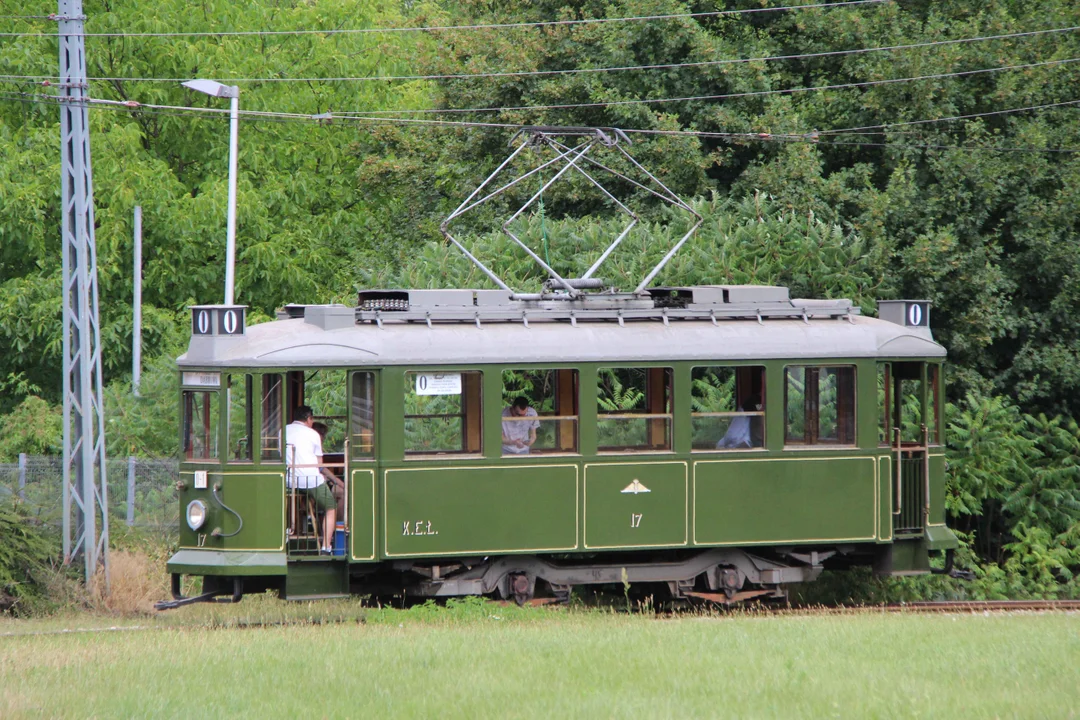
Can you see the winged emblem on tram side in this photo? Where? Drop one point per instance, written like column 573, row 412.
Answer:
column 636, row 487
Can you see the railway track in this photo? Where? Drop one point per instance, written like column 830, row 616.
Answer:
column 943, row 606
column 983, row 606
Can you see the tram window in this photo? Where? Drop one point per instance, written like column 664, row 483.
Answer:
column 271, row 417
column 727, row 408
column 363, row 415
column 240, row 418
column 933, row 378
column 884, row 398
column 634, row 409
column 819, row 405
column 907, row 393
column 325, row 392
column 552, row 394
column 200, row 425
column 443, row 412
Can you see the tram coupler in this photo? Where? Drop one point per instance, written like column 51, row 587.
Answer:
column 236, row 593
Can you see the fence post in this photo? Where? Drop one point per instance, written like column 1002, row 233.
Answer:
column 22, row 476
column 131, row 492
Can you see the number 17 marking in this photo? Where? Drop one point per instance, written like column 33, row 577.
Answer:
column 635, row 520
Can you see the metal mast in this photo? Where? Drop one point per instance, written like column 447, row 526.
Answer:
column 85, row 487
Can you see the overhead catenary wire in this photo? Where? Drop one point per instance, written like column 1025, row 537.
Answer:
column 578, row 71
column 132, row 104
column 179, row 110
column 730, row 96
column 969, row 116
column 479, row 26
column 882, row 129
column 725, row 96
column 810, row 137
column 646, row 67
column 621, row 68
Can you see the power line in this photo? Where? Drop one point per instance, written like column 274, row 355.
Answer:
column 887, row 126
column 729, row 96
column 133, row 104
column 969, row 148
column 491, row 26
column 811, row 138
column 576, row 71
column 864, row 129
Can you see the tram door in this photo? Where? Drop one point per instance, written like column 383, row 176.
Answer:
column 325, row 391
column 360, row 465
column 911, row 427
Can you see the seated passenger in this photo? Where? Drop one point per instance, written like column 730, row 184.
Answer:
column 518, row 436
column 745, row 430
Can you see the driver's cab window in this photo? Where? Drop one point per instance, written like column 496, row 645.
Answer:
column 241, row 416
column 200, row 416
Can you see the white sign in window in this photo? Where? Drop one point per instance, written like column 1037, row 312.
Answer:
column 438, row 384
column 202, row 379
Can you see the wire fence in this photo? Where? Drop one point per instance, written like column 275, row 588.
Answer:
column 142, row 492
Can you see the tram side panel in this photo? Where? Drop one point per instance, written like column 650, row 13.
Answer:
column 784, row 500
column 438, row 511
column 362, row 514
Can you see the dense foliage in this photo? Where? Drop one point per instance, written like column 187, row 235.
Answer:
column 978, row 214
column 25, row 552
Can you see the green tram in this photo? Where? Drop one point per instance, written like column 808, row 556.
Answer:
column 720, row 440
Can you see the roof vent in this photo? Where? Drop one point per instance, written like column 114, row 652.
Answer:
column 330, row 317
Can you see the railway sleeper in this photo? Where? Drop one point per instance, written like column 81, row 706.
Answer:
column 722, row 570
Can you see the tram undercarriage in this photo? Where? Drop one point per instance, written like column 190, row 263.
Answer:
column 517, row 577
column 722, row 575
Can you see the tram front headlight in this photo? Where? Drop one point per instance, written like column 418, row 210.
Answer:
column 196, row 514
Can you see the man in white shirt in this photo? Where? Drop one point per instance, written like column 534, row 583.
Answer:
column 304, row 456
column 518, row 432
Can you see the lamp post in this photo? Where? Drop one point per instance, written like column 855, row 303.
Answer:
column 216, row 89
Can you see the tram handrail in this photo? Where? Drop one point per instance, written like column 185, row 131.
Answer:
column 346, row 480
column 926, row 475
column 897, row 500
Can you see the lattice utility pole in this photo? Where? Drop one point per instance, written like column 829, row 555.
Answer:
column 85, row 487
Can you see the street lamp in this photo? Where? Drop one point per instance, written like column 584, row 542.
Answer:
column 216, row 89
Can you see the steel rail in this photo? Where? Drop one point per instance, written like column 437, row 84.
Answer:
column 982, row 605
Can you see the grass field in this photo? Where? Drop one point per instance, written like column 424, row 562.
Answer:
column 485, row 660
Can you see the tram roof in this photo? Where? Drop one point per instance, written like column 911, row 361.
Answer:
column 300, row 342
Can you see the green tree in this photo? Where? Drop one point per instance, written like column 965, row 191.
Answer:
column 304, row 214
